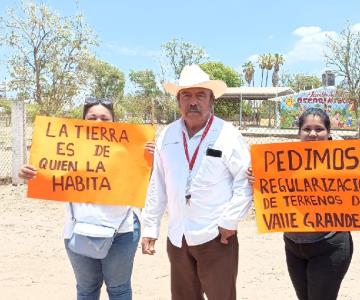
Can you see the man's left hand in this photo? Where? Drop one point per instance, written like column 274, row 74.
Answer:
column 225, row 234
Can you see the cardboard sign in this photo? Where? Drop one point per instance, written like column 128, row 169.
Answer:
column 92, row 162
column 307, row 186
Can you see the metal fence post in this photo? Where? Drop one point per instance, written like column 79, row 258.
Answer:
column 277, row 114
column 18, row 141
column 241, row 108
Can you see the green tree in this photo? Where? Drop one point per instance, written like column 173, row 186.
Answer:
column 179, row 54
column 32, row 110
column 147, row 90
column 344, row 56
column 5, row 110
column 134, row 109
column 219, row 71
column 269, row 63
column 262, row 65
column 45, row 52
column 278, row 60
column 150, row 102
column 76, row 112
column 145, row 82
column 166, row 108
column 300, row 82
column 249, row 71
column 105, row 80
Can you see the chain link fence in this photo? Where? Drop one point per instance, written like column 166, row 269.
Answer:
column 5, row 149
column 15, row 138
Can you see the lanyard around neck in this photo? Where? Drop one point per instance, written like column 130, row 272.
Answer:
column 193, row 158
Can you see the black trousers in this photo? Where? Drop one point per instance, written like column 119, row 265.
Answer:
column 317, row 269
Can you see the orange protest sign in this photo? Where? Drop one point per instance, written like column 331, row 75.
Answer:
column 307, row 186
column 87, row 161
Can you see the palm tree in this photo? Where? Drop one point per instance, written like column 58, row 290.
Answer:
column 278, row 60
column 249, row 70
column 269, row 63
column 262, row 66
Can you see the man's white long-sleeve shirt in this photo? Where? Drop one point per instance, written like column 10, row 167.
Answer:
column 220, row 192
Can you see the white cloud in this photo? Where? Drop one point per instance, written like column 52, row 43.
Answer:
column 307, row 30
column 355, row 27
column 310, row 46
column 253, row 58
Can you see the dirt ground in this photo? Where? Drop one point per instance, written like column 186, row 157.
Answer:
column 34, row 264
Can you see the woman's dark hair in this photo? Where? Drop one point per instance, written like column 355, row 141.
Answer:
column 91, row 101
column 313, row 111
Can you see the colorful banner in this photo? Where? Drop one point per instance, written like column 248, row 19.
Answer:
column 92, row 162
column 307, row 186
column 335, row 102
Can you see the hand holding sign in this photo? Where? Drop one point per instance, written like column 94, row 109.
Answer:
column 82, row 161
column 27, row 172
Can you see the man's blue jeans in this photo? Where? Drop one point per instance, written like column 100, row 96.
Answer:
column 115, row 269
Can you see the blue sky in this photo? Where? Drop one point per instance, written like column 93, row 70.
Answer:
column 131, row 32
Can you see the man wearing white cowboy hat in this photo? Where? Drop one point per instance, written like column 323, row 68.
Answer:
column 199, row 175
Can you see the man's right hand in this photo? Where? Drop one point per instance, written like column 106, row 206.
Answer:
column 148, row 245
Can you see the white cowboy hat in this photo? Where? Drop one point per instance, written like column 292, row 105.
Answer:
column 193, row 76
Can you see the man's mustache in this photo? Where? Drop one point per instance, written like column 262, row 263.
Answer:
column 193, row 109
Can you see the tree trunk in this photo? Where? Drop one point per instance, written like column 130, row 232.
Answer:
column 267, row 75
column 357, row 115
column 37, row 79
column 275, row 78
column 152, row 111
